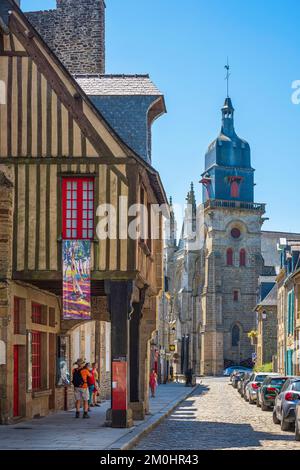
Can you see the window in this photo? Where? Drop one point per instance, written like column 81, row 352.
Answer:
column 78, row 208
column 235, row 190
column 17, row 303
column 235, row 233
column 236, row 296
column 36, row 314
column 36, row 360
column 229, row 257
column 235, row 336
column 243, row 257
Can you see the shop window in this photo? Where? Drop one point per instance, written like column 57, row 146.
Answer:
column 243, row 257
column 78, row 208
column 36, row 357
column 229, row 257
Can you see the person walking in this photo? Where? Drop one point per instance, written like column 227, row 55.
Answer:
column 92, row 385
column 81, row 390
column 97, row 387
column 153, row 383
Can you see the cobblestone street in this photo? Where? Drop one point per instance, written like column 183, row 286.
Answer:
column 216, row 417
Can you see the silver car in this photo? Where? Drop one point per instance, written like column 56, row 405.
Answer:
column 284, row 412
column 253, row 385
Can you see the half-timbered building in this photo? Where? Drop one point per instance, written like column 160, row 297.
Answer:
column 53, row 138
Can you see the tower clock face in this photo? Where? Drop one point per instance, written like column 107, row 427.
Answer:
column 235, row 233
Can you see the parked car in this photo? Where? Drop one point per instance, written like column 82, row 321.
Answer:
column 229, row 370
column 268, row 391
column 254, row 384
column 237, row 378
column 284, row 412
column 297, row 423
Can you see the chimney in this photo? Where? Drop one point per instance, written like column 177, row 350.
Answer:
column 75, row 31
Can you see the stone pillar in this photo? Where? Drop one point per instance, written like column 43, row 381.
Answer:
column 136, row 367
column 119, row 301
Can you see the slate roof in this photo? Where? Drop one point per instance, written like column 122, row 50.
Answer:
column 271, row 298
column 117, row 85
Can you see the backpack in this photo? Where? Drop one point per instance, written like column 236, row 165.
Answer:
column 77, row 381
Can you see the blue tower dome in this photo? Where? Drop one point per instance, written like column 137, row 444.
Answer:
column 228, row 173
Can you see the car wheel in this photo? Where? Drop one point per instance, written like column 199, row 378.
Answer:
column 252, row 402
column 297, row 432
column 285, row 425
column 275, row 419
column 264, row 407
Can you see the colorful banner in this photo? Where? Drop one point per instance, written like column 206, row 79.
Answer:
column 76, row 279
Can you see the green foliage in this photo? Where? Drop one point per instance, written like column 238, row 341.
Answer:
column 264, row 368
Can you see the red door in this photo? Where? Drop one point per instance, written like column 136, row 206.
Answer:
column 16, row 381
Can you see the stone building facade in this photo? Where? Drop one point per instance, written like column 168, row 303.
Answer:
column 267, row 328
column 217, row 281
column 75, row 31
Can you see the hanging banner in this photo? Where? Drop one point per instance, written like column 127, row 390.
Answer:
column 76, row 279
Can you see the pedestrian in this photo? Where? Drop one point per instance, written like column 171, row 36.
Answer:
column 92, row 385
column 97, row 386
column 153, row 383
column 80, row 376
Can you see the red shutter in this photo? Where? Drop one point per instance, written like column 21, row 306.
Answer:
column 36, row 360
column 78, row 208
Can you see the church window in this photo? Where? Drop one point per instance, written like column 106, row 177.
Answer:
column 243, row 257
column 229, row 257
column 235, row 336
column 235, row 295
column 235, row 233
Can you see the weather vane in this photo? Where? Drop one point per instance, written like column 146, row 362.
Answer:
column 227, row 67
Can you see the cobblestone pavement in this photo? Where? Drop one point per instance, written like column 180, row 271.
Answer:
column 216, row 417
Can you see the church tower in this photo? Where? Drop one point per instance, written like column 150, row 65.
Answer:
column 232, row 248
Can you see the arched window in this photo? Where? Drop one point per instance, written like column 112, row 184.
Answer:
column 235, row 336
column 243, row 257
column 229, row 257
column 235, row 190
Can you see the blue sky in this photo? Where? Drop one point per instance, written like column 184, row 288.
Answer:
column 183, row 45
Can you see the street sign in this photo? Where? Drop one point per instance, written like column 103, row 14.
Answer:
column 172, row 348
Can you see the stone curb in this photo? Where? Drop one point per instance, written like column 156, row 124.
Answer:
column 128, row 441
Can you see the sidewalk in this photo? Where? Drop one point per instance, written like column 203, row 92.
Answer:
column 62, row 432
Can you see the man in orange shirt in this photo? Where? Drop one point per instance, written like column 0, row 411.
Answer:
column 81, row 389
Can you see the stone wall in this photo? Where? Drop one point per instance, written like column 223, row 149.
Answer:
column 75, row 31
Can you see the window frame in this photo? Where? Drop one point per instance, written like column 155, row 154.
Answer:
column 36, row 360
column 78, row 199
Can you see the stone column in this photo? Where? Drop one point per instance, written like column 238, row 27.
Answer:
column 119, row 301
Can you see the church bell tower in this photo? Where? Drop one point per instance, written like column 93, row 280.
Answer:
column 232, row 261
